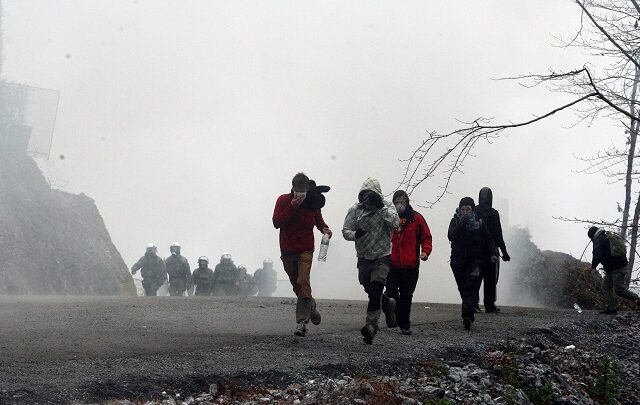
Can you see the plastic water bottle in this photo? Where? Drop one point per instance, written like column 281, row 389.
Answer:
column 324, row 246
column 577, row 307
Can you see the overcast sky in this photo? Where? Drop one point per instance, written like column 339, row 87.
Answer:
column 185, row 120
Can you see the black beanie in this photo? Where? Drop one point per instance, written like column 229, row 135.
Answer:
column 467, row 201
column 400, row 193
column 592, row 231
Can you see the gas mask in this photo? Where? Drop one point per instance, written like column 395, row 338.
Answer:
column 401, row 208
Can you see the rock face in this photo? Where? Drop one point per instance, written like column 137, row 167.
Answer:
column 53, row 242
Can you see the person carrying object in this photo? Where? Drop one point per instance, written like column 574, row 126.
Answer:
column 296, row 217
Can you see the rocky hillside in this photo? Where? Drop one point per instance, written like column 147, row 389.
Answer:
column 545, row 278
column 53, row 242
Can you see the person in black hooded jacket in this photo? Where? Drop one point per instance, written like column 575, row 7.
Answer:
column 472, row 246
column 490, row 273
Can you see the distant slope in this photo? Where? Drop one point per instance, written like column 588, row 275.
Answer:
column 53, row 242
column 545, row 278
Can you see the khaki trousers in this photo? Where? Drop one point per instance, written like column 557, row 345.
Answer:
column 298, row 268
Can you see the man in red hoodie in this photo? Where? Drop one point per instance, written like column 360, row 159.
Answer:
column 410, row 244
column 296, row 222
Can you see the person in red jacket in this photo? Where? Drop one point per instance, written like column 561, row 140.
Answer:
column 411, row 243
column 296, row 220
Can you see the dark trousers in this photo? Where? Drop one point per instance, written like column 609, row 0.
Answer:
column 177, row 287
column 203, row 290
column 150, row 287
column 372, row 275
column 401, row 284
column 490, row 280
column 468, row 275
column 613, row 282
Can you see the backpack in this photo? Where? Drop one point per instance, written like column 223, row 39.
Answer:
column 617, row 245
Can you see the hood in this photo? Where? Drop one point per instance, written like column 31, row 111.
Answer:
column 373, row 185
column 486, row 197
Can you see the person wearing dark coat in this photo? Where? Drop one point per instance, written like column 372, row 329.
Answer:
column 180, row 279
column 153, row 270
column 491, row 217
column 203, row 278
column 472, row 246
column 615, row 268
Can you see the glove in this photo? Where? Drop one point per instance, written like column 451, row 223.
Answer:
column 360, row 233
column 506, row 257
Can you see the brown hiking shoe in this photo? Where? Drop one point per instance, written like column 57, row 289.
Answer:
column 368, row 332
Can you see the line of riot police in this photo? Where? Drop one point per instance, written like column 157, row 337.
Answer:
column 226, row 279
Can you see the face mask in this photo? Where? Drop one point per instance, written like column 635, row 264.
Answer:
column 300, row 194
column 401, row 208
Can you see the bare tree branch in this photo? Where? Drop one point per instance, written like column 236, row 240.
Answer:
column 606, row 34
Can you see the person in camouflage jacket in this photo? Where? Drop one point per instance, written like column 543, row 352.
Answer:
column 370, row 223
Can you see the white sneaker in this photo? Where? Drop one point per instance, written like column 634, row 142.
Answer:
column 301, row 329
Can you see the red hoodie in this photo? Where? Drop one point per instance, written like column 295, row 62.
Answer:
column 296, row 225
column 408, row 241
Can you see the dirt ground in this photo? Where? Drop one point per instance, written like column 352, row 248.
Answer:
column 90, row 349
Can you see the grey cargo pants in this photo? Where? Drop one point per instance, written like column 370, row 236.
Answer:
column 613, row 281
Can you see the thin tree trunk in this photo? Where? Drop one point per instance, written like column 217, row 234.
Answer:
column 633, row 136
column 633, row 243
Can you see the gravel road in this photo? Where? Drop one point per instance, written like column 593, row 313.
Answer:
column 90, row 349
